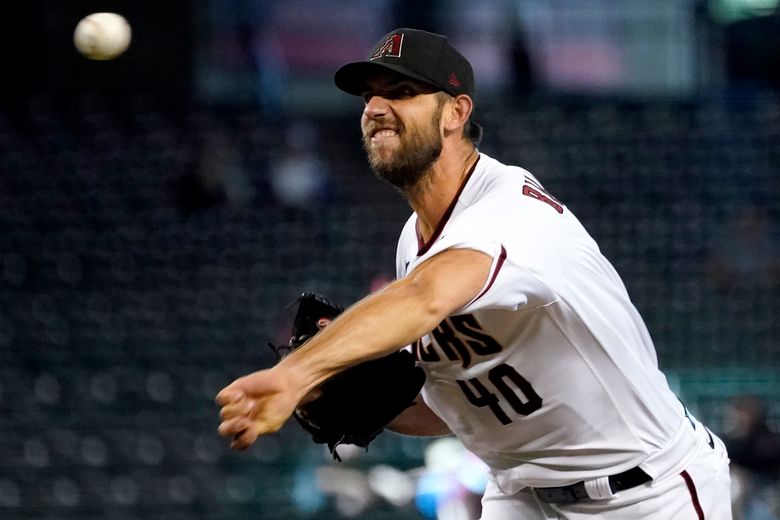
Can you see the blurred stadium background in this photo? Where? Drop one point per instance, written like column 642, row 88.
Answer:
column 158, row 212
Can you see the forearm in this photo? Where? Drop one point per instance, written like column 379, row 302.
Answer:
column 377, row 325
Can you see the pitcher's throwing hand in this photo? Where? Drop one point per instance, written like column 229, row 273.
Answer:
column 254, row 405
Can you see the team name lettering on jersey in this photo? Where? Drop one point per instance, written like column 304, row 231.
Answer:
column 533, row 189
column 457, row 339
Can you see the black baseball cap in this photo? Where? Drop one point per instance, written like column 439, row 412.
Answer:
column 421, row 55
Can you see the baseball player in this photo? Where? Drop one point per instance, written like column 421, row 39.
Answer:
column 534, row 356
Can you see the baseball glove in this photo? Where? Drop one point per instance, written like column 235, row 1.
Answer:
column 354, row 406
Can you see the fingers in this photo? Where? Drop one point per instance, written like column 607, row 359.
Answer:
column 243, row 428
column 234, row 426
column 242, row 419
column 244, row 439
column 229, row 394
column 243, row 431
column 242, row 407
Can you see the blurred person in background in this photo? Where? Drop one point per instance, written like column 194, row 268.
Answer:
column 755, row 455
column 451, row 484
column 300, row 178
column 534, row 355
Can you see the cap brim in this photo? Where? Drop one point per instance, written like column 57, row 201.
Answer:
column 352, row 78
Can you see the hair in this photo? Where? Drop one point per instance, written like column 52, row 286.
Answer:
column 471, row 130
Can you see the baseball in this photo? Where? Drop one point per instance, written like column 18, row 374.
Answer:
column 102, row 36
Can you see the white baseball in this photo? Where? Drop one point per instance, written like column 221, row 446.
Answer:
column 102, row 36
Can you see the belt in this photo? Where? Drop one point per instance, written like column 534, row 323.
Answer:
column 576, row 492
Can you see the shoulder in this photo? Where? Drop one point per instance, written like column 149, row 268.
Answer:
column 498, row 188
column 491, row 170
column 492, row 178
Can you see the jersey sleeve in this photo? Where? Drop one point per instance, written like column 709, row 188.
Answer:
column 525, row 270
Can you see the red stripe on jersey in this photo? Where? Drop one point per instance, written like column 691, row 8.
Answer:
column 499, row 263
column 694, row 494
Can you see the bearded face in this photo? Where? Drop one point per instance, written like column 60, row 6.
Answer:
column 402, row 154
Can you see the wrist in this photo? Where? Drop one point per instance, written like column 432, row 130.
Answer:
column 295, row 380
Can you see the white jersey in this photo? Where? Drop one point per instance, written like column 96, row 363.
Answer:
column 549, row 375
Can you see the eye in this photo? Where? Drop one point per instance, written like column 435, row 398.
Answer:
column 405, row 91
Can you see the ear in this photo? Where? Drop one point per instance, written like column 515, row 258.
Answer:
column 457, row 112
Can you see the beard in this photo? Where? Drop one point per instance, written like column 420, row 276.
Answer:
column 410, row 162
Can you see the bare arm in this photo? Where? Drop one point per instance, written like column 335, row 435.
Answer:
column 381, row 323
column 419, row 420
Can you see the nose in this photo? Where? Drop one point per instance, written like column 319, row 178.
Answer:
column 376, row 106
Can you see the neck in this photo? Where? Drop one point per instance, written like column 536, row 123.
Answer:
column 436, row 190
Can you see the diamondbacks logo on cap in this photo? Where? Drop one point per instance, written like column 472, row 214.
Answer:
column 391, row 48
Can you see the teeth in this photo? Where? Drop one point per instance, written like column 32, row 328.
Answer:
column 385, row 133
